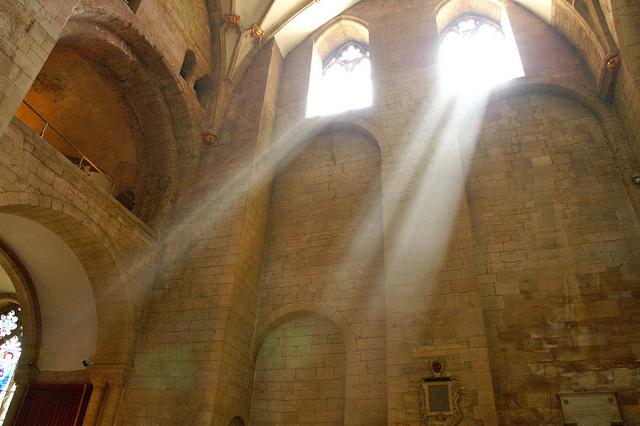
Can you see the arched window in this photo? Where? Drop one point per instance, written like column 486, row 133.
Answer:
column 344, row 83
column 477, row 53
column 10, row 350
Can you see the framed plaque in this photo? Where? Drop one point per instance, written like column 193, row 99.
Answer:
column 590, row 409
column 439, row 397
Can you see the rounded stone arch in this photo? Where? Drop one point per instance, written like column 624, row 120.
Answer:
column 236, row 421
column 157, row 95
column 116, row 324
column 289, row 312
column 324, row 312
column 605, row 114
column 290, row 142
column 28, row 301
column 625, row 153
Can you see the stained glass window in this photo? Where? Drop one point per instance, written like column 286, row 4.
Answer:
column 345, row 82
column 476, row 53
column 10, row 351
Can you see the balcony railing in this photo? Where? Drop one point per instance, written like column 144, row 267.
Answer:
column 49, row 133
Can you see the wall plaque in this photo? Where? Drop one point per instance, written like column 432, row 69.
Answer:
column 439, row 397
column 590, row 409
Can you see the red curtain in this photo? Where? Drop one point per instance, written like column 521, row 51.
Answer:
column 53, row 405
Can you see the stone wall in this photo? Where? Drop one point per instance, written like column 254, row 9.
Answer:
column 349, row 250
column 324, row 251
column 556, row 241
column 300, row 375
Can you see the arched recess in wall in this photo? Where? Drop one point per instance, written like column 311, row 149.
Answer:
column 143, row 111
column 236, row 421
column 82, row 296
column 561, row 166
column 325, row 241
column 302, row 361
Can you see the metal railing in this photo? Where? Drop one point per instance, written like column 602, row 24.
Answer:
column 83, row 162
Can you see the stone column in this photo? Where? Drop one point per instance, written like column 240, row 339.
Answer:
column 95, row 403
column 108, row 383
column 110, row 405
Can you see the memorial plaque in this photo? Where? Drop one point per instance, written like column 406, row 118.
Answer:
column 438, row 397
column 590, row 409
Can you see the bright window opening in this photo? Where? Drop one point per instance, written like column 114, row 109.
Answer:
column 478, row 54
column 10, row 350
column 344, row 83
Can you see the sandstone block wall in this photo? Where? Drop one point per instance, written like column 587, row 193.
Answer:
column 324, row 251
column 300, row 375
column 498, row 234
column 557, row 255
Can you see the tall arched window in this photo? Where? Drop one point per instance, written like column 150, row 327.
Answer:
column 10, row 351
column 478, row 53
column 344, row 83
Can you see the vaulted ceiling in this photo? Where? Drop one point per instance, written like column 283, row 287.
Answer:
column 249, row 23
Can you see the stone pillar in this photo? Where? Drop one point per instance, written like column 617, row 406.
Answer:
column 95, row 403
column 110, row 405
column 108, row 383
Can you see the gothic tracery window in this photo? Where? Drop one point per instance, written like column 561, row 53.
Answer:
column 345, row 82
column 477, row 53
column 10, row 351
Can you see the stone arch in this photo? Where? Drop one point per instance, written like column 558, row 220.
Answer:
column 285, row 313
column 155, row 92
column 292, row 141
column 572, row 142
column 627, row 157
column 329, row 167
column 236, row 421
column 309, row 359
column 113, row 299
column 28, row 300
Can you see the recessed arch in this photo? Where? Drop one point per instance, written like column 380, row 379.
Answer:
column 149, row 116
column 289, row 143
column 65, row 298
column 302, row 360
column 287, row 312
column 164, row 113
column 105, row 284
column 236, row 421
